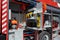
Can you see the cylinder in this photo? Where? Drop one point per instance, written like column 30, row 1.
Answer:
column 53, row 9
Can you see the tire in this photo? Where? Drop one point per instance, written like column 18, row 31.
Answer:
column 50, row 31
column 26, row 38
column 44, row 36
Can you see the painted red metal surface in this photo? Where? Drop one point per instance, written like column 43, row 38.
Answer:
column 0, row 16
column 49, row 2
column 5, row 18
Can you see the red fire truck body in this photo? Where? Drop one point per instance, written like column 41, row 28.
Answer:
column 4, row 12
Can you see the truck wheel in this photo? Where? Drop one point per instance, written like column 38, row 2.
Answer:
column 44, row 36
column 26, row 38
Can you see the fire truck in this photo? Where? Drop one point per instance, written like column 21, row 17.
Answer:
column 41, row 19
